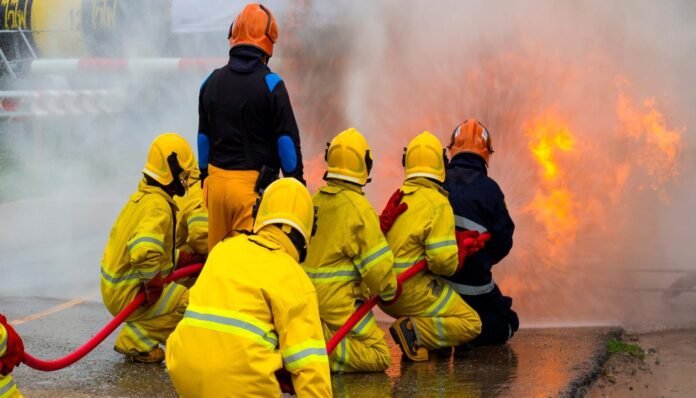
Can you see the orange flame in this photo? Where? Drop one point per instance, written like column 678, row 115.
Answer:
column 660, row 144
column 553, row 204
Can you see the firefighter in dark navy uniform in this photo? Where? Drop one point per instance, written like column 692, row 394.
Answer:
column 479, row 208
column 247, row 130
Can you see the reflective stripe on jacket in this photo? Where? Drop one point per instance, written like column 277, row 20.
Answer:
column 251, row 312
column 348, row 250
column 425, row 230
column 479, row 205
column 140, row 246
column 192, row 220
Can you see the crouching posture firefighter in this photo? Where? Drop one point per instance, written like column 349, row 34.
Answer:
column 140, row 252
column 479, row 207
column 350, row 251
column 11, row 355
column 247, row 129
column 254, row 311
column 430, row 315
column 192, row 220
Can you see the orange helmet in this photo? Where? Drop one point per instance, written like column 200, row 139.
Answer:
column 472, row 137
column 254, row 26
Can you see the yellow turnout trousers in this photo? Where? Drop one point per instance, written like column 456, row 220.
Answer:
column 147, row 328
column 364, row 349
column 440, row 316
column 230, row 197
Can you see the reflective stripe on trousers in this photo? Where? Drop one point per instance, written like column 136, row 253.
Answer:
column 7, row 386
column 469, row 290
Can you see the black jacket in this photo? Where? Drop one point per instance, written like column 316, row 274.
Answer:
column 478, row 204
column 244, row 110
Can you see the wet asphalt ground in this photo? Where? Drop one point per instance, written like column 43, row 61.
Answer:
column 537, row 363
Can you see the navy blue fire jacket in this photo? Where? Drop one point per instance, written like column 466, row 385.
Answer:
column 479, row 205
column 245, row 118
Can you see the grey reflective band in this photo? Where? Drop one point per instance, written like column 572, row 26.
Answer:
column 238, row 323
column 319, row 275
column 441, row 244
column 469, row 290
column 146, row 239
column 163, row 303
column 360, row 326
column 144, row 339
column 7, row 388
column 372, row 256
column 463, row 222
column 120, row 278
column 197, row 218
column 442, row 304
column 305, row 353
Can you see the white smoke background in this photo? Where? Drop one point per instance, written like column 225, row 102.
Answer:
column 392, row 69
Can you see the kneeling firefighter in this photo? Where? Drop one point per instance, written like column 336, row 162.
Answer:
column 253, row 311
column 192, row 220
column 141, row 252
column 479, row 208
column 11, row 355
column 247, row 131
column 348, row 250
column 430, row 315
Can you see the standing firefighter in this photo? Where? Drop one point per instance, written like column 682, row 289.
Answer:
column 349, row 250
column 253, row 310
column 247, row 130
column 430, row 314
column 140, row 252
column 479, row 207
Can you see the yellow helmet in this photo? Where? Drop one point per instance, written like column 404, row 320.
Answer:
column 348, row 158
column 170, row 157
column 425, row 157
column 286, row 201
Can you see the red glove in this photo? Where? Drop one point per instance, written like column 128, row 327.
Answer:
column 396, row 295
column 14, row 355
column 392, row 211
column 482, row 239
column 285, row 381
column 153, row 289
column 467, row 244
column 188, row 258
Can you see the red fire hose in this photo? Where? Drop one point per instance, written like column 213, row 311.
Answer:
column 60, row 363
column 367, row 306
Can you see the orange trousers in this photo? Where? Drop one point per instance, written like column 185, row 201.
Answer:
column 230, row 197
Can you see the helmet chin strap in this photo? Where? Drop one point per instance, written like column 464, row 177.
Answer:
column 178, row 186
column 297, row 240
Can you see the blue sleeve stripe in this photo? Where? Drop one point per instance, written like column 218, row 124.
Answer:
column 287, row 154
column 203, row 150
column 272, row 80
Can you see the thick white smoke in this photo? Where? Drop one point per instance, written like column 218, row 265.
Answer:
column 392, row 69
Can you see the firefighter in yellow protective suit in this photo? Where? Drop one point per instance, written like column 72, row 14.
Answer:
column 348, row 251
column 191, row 226
column 140, row 252
column 254, row 311
column 192, row 218
column 11, row 354
column 430, row 314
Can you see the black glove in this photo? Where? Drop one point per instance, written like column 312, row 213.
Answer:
column 204, row 175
